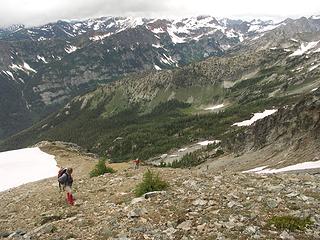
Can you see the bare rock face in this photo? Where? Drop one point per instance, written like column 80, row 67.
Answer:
column 289, row 127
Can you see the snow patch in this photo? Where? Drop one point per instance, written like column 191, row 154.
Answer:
column 157, row 30
column 27, row 67
column 100, row 37
column 259, row 28
column 214, row 107
column 21, row 166
column 304, row 48
column 257, row 169
column 207, row 142
column 175, row 39
column 167, row 60
column 157, row 67
column 8, row 73
column 158, row 45
column 313, row 67
column 41, row 58
column 70, row 49
column 182, row 149
column 299, row 166
column 315, row 89
column 42, row 39
column 255, row 117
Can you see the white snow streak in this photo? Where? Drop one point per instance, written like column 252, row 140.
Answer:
column 157, row 30
column 41, row 58
column 70, row 49
column 257, row 169
column 27, row 67
column 214, row 107
column 157, row 67
column 304, row 48
column 8, row 73
column 100, row 37
column 255, row 117
column 182, row 149
column 299, row 166
column 175, row 39
column 207, row 142
column 158, row 45
column 313, row 67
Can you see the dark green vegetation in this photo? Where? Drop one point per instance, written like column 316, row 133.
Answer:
column 101, row 169
column 289, row 222
column 129, row 135
column 147, row 114
column 188, row 160
column 195, row 158
column 60, row 75
column 151, row 182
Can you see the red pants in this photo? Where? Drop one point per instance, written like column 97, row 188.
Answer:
column 70, row 198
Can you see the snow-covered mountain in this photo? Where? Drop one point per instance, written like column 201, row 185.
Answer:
column 179, row 30
column 43, row 67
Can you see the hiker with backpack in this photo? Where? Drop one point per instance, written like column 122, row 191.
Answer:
column 65, row 180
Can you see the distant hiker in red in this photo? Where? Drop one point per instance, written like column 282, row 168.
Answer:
column 136, row 163
column 65, row 180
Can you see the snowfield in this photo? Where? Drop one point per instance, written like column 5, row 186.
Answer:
column 299, row 166
column 21, row 166
column 255, row 117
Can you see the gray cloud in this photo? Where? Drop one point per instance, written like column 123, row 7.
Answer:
column 36, row 12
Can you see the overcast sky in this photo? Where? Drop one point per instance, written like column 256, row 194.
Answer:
column 36, row 12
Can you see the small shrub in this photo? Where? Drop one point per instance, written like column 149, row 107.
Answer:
column 219, row 152
column 290, row 223
column 151, row 182
column 101, row 169
column 162, row 164
column 212, row 146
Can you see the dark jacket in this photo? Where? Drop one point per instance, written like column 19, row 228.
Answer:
column 66, row 179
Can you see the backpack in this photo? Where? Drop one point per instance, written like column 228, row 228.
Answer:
column 61, row 172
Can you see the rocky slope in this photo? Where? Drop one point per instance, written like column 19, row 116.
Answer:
column 204, row 204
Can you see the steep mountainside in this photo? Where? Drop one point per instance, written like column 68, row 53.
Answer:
column 287, row 137
column 46, row 66
column 147, row 114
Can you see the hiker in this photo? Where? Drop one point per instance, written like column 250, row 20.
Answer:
column 136, row 163
column 66, row 181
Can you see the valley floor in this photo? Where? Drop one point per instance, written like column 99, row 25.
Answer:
column 199, row 204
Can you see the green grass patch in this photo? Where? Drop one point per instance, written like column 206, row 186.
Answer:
column 290, row 223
